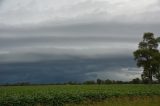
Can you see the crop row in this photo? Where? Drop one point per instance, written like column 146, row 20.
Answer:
column 60, row 95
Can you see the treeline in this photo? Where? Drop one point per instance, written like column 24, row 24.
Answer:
column 89, row 82
column 108, row 81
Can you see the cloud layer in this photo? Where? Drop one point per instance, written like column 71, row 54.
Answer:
column 33, row 12
column 75, row 35
column 72, row 69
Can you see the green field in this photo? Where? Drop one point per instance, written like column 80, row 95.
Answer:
column 59, row 95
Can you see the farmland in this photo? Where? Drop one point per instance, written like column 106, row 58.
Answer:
column 59, row 95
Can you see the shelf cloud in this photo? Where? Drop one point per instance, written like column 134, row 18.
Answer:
column 73, row 37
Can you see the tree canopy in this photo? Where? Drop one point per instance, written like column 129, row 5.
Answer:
column 147, row 56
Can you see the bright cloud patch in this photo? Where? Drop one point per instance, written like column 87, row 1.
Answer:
column 31, row 12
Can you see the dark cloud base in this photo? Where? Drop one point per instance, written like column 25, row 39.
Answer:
column 52, row 71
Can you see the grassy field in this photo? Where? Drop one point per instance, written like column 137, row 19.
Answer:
column 125, row 101
column 59, row 95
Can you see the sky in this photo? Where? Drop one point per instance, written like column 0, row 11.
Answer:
column 45, row 41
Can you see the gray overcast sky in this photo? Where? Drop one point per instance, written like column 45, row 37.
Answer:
column 95, row 37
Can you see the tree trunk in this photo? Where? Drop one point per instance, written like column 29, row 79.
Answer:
column 150, row 77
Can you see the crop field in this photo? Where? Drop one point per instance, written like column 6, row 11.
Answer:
column 60, row 95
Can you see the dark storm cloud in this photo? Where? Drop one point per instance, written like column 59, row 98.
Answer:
column 63, row 70
column 73, row 40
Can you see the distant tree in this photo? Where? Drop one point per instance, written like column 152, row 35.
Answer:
column 108, row 81
column 22, row 83
column 113, row 82
column 99, row 81
column 119, row 82
column 158, row 76
column 136, row 81
column 89, row 82
column 72, row 83
column 148, row 57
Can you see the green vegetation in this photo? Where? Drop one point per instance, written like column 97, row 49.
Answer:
column 148, row 57
column 125, row 101
column 59, row 95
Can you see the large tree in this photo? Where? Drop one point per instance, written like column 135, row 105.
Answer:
column 148, row 57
